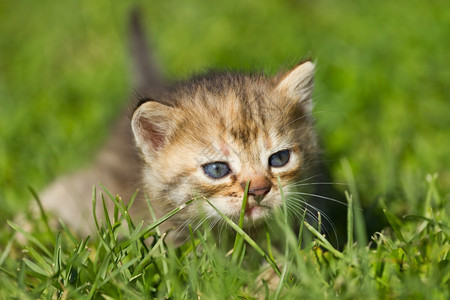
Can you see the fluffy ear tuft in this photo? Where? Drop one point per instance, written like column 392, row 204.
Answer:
column 298, row 84
column 151, row 126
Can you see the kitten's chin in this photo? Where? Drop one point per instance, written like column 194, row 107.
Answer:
column 255, row 215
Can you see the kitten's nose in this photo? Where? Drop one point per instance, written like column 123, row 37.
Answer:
column 259, row 187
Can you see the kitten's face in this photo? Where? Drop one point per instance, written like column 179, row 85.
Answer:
column 222, row 131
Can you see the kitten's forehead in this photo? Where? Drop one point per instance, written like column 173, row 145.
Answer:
column 242, row 106
column 233, row 112
column 237, row 117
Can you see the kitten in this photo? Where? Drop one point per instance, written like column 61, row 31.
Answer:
column 211, row 135
column 205, row 137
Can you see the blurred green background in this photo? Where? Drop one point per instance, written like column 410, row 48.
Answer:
column 381, row 94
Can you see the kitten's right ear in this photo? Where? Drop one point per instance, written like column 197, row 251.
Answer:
column 151, row 126
column 298, row 84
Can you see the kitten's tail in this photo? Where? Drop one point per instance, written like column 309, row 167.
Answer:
column 147, row 77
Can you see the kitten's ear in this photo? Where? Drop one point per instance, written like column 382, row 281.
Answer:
column 298, row 84
column 151, row 126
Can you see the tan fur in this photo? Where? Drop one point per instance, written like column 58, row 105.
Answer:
column 116, row 166
column 226, row 117
column 238, row 119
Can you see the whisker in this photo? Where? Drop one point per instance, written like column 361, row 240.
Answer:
column 317, row 183
column 300, row 181
column 295, row 120
column 199, row 224
column 320, row 196
column 222, row 226
column 214, row 223
column 184, row 225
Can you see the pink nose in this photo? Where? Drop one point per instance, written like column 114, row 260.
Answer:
column 260, row 191
column 259, row 186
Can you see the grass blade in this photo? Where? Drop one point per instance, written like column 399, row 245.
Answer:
column 286, row 230
column 360, row 226
column 323, row 242
column 269, row 242
column 36, row 268
column 7, row 249
column 29, row 237
column 349, row 221
column 239, row 241
column 300, row 231
column 154, row 225
column 118, row 202
column 395, row 224
column 41, row 209
column 67, row 231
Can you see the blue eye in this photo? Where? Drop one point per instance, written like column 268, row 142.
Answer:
column 216, row 169
column 279, row 158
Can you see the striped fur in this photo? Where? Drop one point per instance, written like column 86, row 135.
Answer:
column 225, row 117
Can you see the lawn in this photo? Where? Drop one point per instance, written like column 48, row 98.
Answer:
column 381, row 104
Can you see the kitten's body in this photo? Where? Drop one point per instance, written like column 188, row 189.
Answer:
column 238, row 120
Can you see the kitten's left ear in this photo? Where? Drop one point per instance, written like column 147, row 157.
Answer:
column 298, row 84
column 152, row 126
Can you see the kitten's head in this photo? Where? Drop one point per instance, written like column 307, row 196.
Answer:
column 213, row 134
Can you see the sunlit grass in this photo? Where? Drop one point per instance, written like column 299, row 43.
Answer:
column 136, row 263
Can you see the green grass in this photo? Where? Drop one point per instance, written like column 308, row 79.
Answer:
column 382, row 115
column 410, row 260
